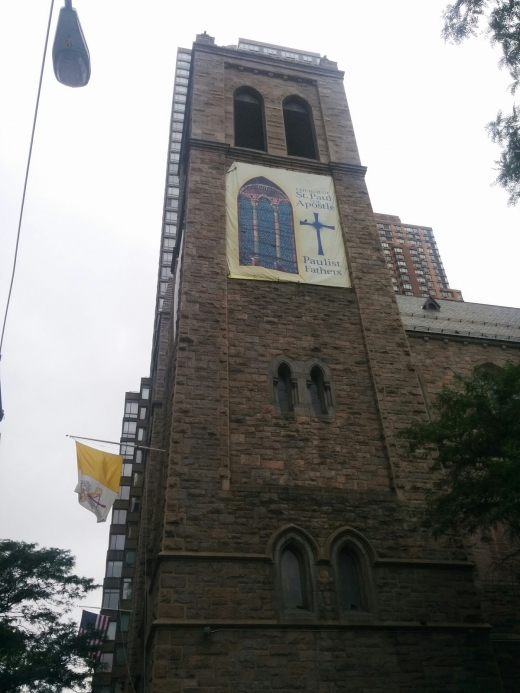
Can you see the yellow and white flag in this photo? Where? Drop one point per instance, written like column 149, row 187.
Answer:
column 99, row 474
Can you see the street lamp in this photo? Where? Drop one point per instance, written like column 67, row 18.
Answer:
column 70, row 54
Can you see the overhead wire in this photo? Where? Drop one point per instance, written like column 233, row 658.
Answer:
column 22, row 206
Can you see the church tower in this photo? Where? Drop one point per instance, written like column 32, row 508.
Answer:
column 278, row 549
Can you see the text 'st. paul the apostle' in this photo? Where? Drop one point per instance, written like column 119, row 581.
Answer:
column 283, row 226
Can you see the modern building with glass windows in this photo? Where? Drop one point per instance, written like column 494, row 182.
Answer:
column 117, row 586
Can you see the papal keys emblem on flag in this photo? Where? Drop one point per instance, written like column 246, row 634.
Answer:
column 99, row 474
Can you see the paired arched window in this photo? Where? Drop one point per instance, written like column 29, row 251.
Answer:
column 284, row 389
column 293, row 579
column 302, row 387
column 349, row 587
column 299, row 130
column 249, row 120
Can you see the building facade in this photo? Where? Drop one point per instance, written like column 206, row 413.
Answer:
column 278, row 548
column 413, row 258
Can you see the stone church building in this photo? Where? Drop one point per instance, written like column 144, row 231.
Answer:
column 279, row 547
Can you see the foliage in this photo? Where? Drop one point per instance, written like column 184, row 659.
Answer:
column 39, row 651
column 475, row 442
column 462, row 20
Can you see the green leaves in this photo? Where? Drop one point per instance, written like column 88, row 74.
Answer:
column 39, row 650
column 475, row 441
column 462, row 19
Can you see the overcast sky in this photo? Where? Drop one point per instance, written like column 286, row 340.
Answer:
column 80, row 327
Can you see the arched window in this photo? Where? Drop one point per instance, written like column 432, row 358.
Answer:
column 249, row 120
column 284, row 388
column 349, row 588
column 318, row 394
column 299, row 134
column 293, row 589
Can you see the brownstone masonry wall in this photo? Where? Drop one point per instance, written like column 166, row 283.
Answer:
column 239, row 477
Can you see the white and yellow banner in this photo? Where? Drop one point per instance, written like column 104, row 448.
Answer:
column 99, row 474
column 283, row 226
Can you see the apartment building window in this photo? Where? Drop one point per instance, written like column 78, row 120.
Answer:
column 407, row 286
column 145, row 393
column 138, row 479
column 169, row 243
column 171, row 216
column 135, row 504
column 132, row 530
column 111, row 630
column 129, row 428
column 385, row 245
column 173, row 191
column 114, row 569
column 127, row 588
column 107, row 660
column 111, row 599
column 170, row 229
column 119, row 516
column 141, row 434
column 127, row 450
column 124, row 493
column 131, row 409
column 119, row 655
column 130, row 557
column 139, row 457
column 117, row 542
column 126, row 469
column 165, row 274
column 124, row 622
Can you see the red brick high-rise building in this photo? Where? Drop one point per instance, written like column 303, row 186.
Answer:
column 413, row 258
column 278, row 545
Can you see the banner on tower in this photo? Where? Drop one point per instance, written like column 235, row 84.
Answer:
column 283, row 226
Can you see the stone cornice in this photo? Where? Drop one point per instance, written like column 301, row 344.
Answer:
column 253, row 557
column 313, row 624
column 270, row 64
column 275, row 161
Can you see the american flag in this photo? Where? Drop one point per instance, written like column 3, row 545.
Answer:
column 91, row 621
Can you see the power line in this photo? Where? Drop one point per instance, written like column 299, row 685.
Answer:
column 26, row 177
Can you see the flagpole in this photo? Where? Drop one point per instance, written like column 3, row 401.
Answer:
column 113, row 442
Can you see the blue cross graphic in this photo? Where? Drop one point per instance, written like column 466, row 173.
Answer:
column 318, row 226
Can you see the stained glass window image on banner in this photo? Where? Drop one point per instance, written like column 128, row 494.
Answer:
column 266, row 227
